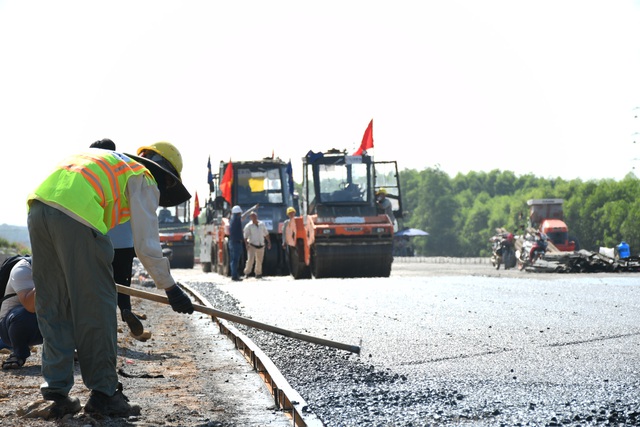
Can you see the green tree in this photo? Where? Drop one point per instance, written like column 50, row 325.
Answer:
column 463, row 212
column 435, row 211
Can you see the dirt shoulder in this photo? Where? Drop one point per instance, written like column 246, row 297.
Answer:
column 186, row 374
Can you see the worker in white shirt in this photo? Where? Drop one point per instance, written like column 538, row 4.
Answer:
column 256, row 236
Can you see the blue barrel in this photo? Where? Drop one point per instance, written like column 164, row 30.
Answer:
column 623, row 250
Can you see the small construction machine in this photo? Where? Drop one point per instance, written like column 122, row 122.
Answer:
column 547, row 216
column 265, row 186
column 342, row 232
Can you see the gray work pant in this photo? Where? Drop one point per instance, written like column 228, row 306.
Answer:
column 75, row 301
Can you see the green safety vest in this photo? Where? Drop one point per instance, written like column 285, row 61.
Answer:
column 92, row 185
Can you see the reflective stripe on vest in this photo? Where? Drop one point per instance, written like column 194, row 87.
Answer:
column 92, row 185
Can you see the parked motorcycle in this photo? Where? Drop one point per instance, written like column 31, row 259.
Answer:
column 502, row 251
column 533, row 248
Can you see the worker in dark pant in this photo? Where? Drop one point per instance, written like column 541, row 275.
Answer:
column 289, row 234
column 236, row 242
column 122, row 266
column 19, row 329
column 18, row 322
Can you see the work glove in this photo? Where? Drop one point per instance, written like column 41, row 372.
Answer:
column 179, row 301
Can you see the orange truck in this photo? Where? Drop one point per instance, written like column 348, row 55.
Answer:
column 547, row 216
column 341, row 232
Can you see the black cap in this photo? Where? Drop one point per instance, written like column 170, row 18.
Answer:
column 172, row 195
column 105, row 144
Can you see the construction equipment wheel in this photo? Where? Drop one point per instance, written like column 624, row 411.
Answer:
column 297, row 266
column 385, row 269
column 182, row 259
column 320, row 268
column 206, row 267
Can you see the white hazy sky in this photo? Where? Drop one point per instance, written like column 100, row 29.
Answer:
column 548, row 87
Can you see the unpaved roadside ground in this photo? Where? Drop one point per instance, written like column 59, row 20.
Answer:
column 187, row 374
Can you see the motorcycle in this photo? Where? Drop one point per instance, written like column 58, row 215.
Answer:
column 502, row 252
column 533, row 249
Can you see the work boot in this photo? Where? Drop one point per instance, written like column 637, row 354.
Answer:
column 63, row 405
column 140, row 316
column 111, row 406
column 135, row 325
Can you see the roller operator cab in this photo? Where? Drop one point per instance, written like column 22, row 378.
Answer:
column 264, row 186
column 176, row 235
column 342, row 232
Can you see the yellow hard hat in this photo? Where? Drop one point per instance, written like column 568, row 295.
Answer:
column 290, row 209
column 164, row 162
column 168, row 151
column 382, row 191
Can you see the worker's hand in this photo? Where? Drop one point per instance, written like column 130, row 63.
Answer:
column 179, row 301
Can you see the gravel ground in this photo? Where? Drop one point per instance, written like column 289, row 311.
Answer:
column 187, row 374
column 343, row 389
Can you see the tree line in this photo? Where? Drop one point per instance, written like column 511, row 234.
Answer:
column 462, row 213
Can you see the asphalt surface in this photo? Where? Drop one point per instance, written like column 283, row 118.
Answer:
column 451, row 343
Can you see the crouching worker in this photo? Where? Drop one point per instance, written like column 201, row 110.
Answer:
column 70, row 213
column 18, row 322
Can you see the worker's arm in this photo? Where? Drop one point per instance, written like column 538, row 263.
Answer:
column 28, row 299
column 143, row 202
column 21, row 281
column 246, row 233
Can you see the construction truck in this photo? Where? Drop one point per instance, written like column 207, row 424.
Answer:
column 265, row 186
column 547, row 216
column 341, row 232
column 176, row 235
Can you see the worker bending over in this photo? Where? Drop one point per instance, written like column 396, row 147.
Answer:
column 70, row 213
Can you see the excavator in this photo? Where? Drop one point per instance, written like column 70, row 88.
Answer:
column 341, row 231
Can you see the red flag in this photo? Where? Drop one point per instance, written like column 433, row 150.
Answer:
column 367, row 140
column 196, row 208
column 227, row 180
